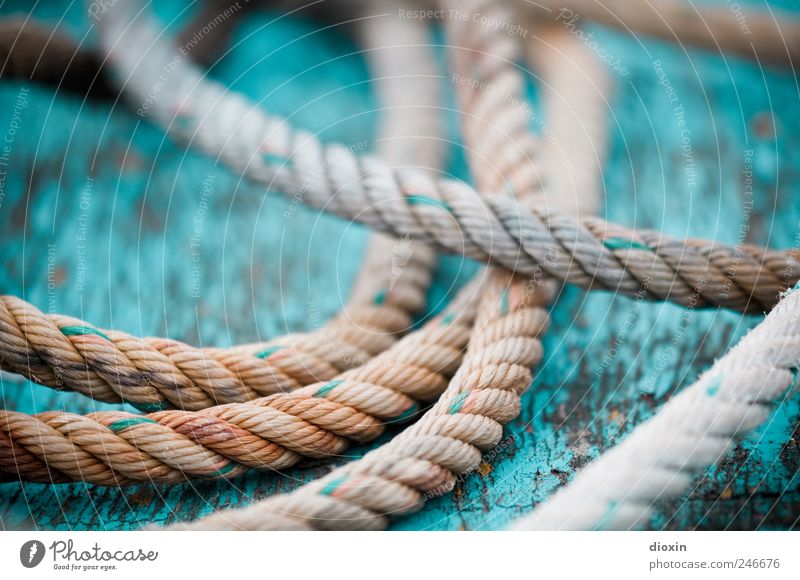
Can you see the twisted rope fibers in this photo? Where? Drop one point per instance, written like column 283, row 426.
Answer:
column 712, row 389
column 446, row 214
column 695, row 429
column 771, row 36
column 622, row 488
column 264, row 515
column 157, row 374
column 731, row 399
column 426, row 459
column 273, row 432
column 502, row 152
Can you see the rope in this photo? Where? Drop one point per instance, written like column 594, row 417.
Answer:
column 426, row 460
column 157, row 373
column 575, row 105
column 766, row 35
column 160, row 373
column 445, row 214
column 275, row 432
column 695, row 429
column 30, row 51
column 501, row 151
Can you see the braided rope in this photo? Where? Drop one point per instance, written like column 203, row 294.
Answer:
column 574, row 102
column 426, row 459
column 446, row 214
column 502, row 152
column 31, row 51
column 156, row 373
column 771, row 36
column 160, row 373
column 695, row 429
column 274, row 432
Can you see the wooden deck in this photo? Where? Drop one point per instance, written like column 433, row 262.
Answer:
column 105, row 218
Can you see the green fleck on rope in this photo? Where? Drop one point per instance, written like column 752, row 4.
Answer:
column 380, row 297
column 151, row 407
column 121, row 424
column 504, row 302
column 325, row 389
column 226, row 469
column 274, row 159
column 407, row 414
column 267, row 352
column 425, row 200
column 448, row 318
column 81, row 331
column 624, row 244
column 458, row 402
column 713, row 386
column 331, row 487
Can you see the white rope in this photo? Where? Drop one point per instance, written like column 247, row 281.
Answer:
column 446, row 214
column 695, row 429
column 388, row 481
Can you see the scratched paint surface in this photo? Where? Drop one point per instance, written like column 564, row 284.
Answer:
column 104, row 218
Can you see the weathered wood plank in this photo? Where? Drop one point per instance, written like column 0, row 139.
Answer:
column 102, row 217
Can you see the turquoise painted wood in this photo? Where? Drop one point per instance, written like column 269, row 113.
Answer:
column 104, row 218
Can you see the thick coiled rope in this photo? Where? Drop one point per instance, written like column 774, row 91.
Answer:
column 160, row 373
column 695, row 429
column 319, row 420
column 157, row 373
column 426, row 459
column 768, row 36
column 446, row 214
column 30, row 51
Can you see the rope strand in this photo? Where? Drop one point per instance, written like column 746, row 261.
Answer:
column 319, row 420
column 426, row 459
column 695, row 429
column 157, row 373
column 445, row 214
